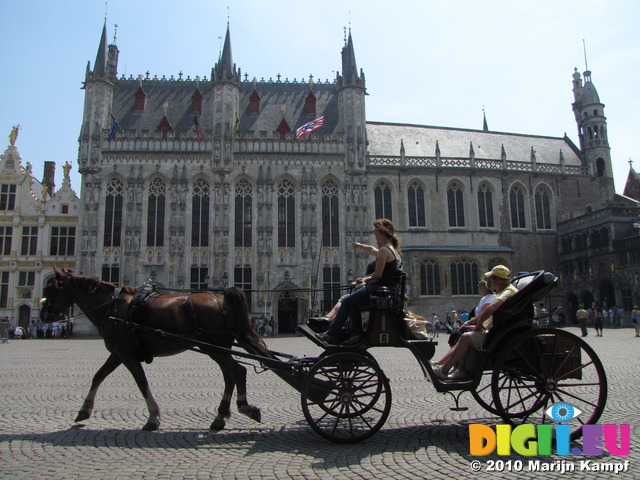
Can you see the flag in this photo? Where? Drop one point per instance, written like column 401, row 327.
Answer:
column 197, row 125
column 309, row 127
column 236, row 126
column 114, row 128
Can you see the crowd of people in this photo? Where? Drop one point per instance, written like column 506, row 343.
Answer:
column 263, row 326
column 61, row 328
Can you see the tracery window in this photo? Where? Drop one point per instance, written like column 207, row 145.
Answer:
column 200, row 202
column 382, row 199
column 415, row 202
column 330, row 214
column 455, row 204
column 286, row 214
column 113, row 213
column 464, row 277
column 485, row 206
column 430, row 278
column 543, row 209
column 156, row 213
column 516, row 202
column 243, row 213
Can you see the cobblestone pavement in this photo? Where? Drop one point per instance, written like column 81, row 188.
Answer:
column 43, row 382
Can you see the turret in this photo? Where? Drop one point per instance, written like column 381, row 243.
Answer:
column 225, row 82
column 99, row 86
column 351, row 104
column 592, row 126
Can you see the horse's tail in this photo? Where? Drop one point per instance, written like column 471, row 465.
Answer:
column 248, row 338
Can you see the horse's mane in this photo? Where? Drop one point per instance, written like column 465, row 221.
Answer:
column 93, row 283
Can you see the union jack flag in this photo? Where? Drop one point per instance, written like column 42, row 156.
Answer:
column 309, row 127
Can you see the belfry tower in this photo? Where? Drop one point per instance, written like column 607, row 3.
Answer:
column 592, row 127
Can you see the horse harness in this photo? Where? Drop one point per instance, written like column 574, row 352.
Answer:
column 139, row 311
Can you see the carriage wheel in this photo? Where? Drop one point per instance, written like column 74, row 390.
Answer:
column 346, row 397
column 545, row 367
column 483, row 394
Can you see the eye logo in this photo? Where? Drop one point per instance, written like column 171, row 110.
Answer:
column 562, row 412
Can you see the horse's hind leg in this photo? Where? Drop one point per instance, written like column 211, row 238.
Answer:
column 224, row 409
column 231, row 367
column 135, row 367
column 109, row 366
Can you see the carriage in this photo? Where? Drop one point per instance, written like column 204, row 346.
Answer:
column 521, row 372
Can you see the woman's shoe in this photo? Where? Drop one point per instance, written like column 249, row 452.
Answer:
column 327, row 338
column 439, row 373
column 458, row 375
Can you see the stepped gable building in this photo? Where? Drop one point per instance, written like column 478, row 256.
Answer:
column 202, row 183
column 37, row 232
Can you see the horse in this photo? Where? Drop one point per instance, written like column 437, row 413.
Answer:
column 216, row 319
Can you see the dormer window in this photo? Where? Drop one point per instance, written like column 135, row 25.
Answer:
column 196, row 101
column 283, row 129
column 254, row 103
column 140, row 101
column 164, row 126
column 310, row 104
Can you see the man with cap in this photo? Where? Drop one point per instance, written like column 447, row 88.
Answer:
column 499, row 279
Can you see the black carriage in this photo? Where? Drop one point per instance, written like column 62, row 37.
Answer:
column 519, row 374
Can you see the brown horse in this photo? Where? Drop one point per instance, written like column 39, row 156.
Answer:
column 213, row 318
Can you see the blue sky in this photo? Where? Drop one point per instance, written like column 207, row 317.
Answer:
column 426, row 62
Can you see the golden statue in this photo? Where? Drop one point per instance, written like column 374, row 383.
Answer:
column 14, row 135
column 66, row 169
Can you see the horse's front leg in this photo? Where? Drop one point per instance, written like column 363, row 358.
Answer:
column 109, row 366
column 135, row 367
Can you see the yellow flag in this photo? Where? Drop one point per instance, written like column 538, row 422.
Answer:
column 236, row 126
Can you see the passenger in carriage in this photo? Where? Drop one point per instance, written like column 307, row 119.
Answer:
column 498, row 281
column 386, row 274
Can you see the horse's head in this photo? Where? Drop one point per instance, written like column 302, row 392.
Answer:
column 55, row 299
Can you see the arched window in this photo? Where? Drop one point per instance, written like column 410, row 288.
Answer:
column 330, row 215
column 543, row 209
column 200, row 214
column 286, row 214
column 415, row 202
column 429, row 278
column 464, row 277
column 113, row 213
column 243, row 214
column 455, row 203
column 485, row 206
column 382, row 199
column 156, row 212
column 516, row 202
column 600, row 167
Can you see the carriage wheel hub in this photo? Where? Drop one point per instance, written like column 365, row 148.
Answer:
column 552, row 386
column 346, row 398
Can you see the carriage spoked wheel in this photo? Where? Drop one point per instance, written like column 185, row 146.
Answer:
column 346, row 397
column 545, row 367
column 483, row 394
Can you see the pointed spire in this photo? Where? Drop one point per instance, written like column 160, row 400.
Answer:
column 485, row 127
column 225, row 69
column 100, row 65
column 349, row 75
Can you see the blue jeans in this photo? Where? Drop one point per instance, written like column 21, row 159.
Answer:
column 349, row 309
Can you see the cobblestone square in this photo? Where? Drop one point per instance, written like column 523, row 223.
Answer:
column 43, row 383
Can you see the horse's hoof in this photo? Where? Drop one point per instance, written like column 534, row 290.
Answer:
column 82, row 415
column 151, row 426
column 252, row 412
column 218, row 424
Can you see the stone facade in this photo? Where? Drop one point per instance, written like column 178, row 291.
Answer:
column 37, row 233
column 202, row 183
